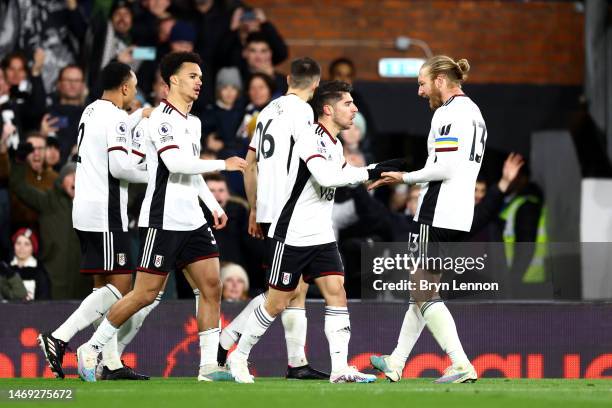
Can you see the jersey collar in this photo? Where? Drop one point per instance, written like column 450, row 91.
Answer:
column 173, row 108
column 327, row 131
column 452, row 98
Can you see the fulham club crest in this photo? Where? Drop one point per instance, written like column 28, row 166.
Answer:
column 286, row 278
column 158, row 260
column 121, row 259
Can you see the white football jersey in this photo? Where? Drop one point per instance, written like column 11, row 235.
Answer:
column 305, row 218
column 458, row 137
column 171, row 200
column 278, row 128
column 100, row 200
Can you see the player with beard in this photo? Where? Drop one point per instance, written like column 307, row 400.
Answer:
column 445, row 210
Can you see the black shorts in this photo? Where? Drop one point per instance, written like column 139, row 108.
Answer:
column 105, row 252
column 162, row 251
column 311, row 262
column 432, row 243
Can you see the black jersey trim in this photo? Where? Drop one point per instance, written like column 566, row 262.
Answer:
column 280, row 232
column 291, row 144
column 428, row 206
column 324, row 130
column 114, row 204
column 451, row 99
column 158, row 201
column 172, row 107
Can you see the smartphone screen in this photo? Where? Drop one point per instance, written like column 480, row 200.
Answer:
column 144, row 53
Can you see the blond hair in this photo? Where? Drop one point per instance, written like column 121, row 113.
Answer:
column 455, row 71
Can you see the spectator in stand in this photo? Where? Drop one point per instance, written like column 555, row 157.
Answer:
column 480, row 191
column 246, row 21
column 26, row 92
column 24, row 263
column 353, row 139
column 258, row 58
column 236, row 244
column 62, row 118
column 53, row 155
column 235, row 283
column 36, row 176
column 108, row 40
column 11, row 285
column 150, row 14
column 260, row 89
column 212, row 20
column 343, row 69
column 56, row 27
column 9, row 113
column 224, row 117
column 61, row 253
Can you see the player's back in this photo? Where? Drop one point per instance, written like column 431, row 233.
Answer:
column 100, row 200
column 278, row 127
column 458, row 136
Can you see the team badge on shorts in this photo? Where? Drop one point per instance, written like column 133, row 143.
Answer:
column 158, row 260
column 121, row 259
column 286, row 278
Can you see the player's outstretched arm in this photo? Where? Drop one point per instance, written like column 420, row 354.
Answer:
column 177, row 162
column 329, row 174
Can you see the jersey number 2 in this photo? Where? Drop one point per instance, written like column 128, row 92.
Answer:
column 80, row 137
column 263, row 136
column 478, row 149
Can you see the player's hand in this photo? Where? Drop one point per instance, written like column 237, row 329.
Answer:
column 512, row 166
column 219, row 221
column 254, row 228
column 376, row 172
column 146, row 112
column 387, row 178
column 48, row 125
column 235, row 163
column 396, row 164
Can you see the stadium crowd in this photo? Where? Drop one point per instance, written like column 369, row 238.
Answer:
column 51, row 55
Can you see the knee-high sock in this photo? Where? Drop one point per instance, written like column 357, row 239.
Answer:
column 412, row 326
column 258, row 322
column 442, row 326
column 295, row 325
column 130, row 329
column 209, row 342
column 91, row 308
column 232, row 332
column 338, row 333
column 102, row 336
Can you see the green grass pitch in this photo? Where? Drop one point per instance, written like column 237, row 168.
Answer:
column 274, row 392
